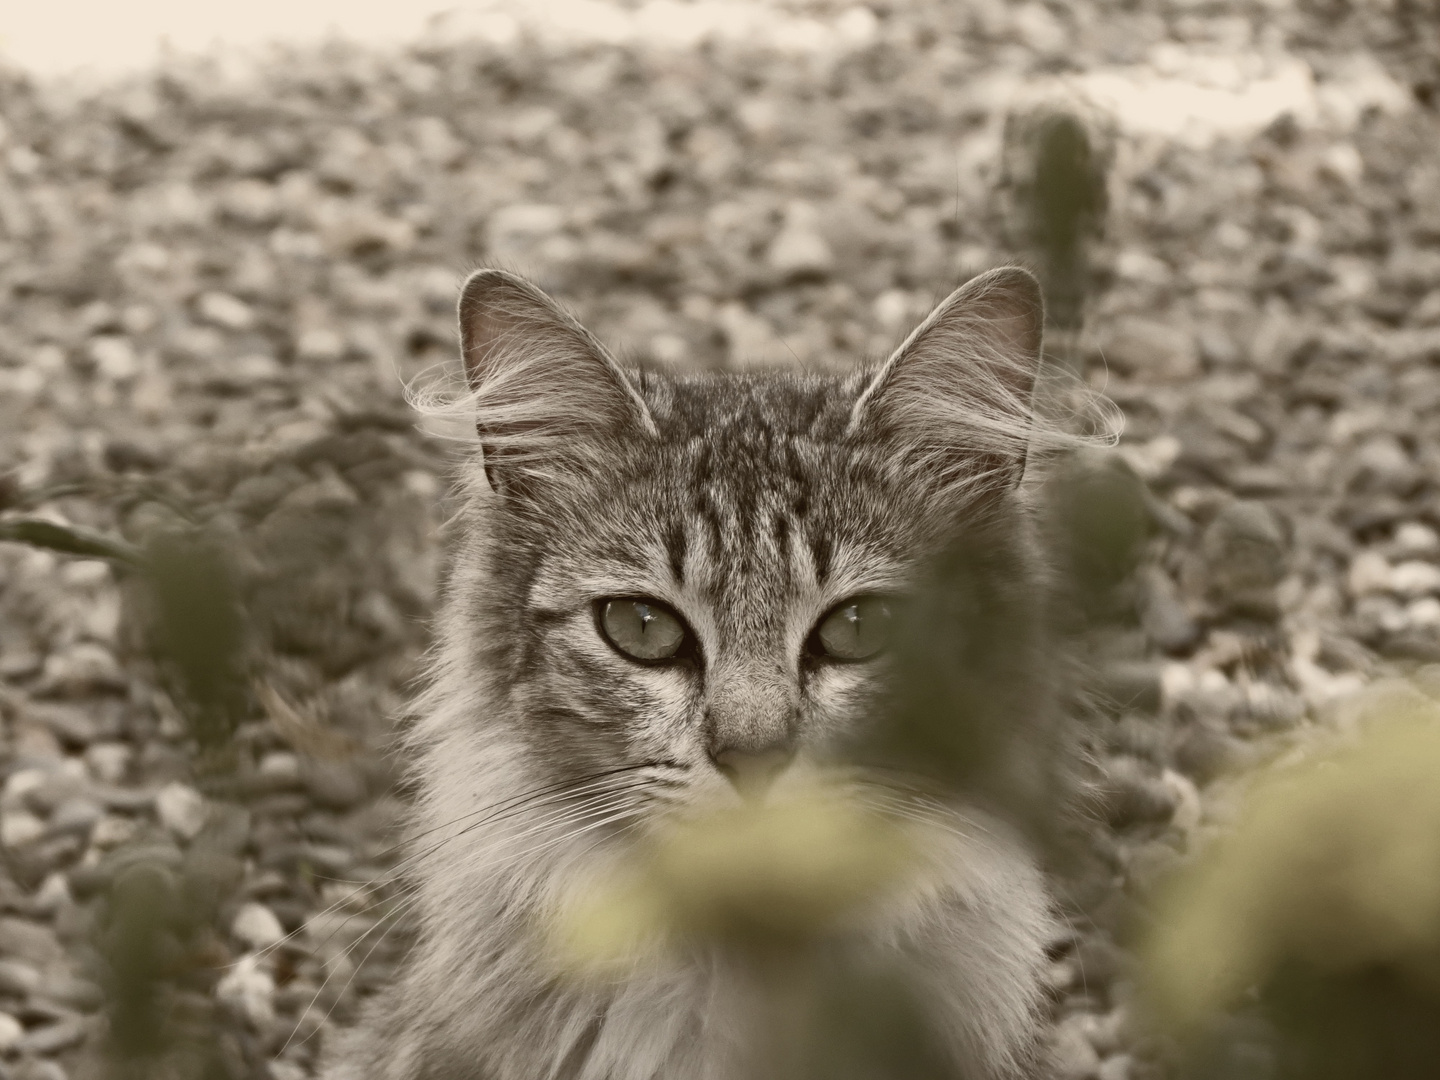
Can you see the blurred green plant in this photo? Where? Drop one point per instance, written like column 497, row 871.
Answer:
column 767, row 879
column 1318, row 916
column 772, row 883
column 158, row 949
column 1056, row 178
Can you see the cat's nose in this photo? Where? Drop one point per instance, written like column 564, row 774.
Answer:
column 753, row 771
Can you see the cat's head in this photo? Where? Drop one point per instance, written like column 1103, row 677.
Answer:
column 705, row 576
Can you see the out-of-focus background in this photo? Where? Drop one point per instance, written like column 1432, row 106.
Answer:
column 228, row 236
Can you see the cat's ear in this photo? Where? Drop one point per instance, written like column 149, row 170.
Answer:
column 546, row 393
column 958, row 392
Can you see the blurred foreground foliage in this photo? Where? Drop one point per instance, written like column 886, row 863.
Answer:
column 157, row 942
column 1306, row 942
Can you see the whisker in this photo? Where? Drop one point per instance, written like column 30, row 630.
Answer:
column 497, row 812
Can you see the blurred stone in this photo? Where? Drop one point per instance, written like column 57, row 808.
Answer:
column 53, row 1038
column 1415, row 578
column 1162, row 613
column 1132, row 685
column 249, row 989
column 83, row 667
column 338, row 785
column 1071, row 1055
column 18, row 979
column 225, row 311
column 39, row 1069
column 20, row 827
column 1205, row 751
column 111, row 832
column 1244, row 549
column 799, row 250
column 1369, row 573
column 1186, row 797
column 72, row 725
column 76, row 815
column 73, row 992
column 28, row 941
column 109, row 761
column 181, row 809
column 1134, row 794
column 11, row 1031
column 256, row 926
column 1151, row 348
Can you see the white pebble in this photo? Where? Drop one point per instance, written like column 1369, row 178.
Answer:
column 181, row 809
column 256, row 925
column 20, row 827
column 1187, row 800
column 10, row 1032
column 280, row 764
column 20, row 783
column 1369, row 573
column 799, row 248
column 1417, row 538
column 1424, row 613
column 53, row 894
column 109, row 761
column 249, row 988
column 111, row 832
column 225, row 311
column 1415, row 578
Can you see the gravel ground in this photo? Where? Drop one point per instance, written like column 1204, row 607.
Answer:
column 214, row 286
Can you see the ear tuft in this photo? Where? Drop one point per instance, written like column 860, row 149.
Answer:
column 545, row 390
column 958, row 392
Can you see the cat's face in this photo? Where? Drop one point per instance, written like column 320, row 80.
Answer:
column 703, row 576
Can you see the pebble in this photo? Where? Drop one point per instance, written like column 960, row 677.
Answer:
column 1163, row 615
column 1072, row 1057
column 76, row 814
column 11, row 1031
column 256, row 926
column 109, row 761
column 1245, row 552
column 337, row 785
column 1156, row 349
column 19, row 784
column 18, row 979
column 799, row 249
column 20, row 827
column 40, row 1069
column 53, row 1038
column 249, row 989
column 52, row 896
column 1135, row 795
column 1188, row 807
column 28, row 941
column 76, row 993
column 181, row 809
column 73, row 726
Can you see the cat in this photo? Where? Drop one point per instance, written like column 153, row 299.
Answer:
column 669, row 589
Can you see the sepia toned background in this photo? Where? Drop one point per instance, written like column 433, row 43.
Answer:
column 222, row 262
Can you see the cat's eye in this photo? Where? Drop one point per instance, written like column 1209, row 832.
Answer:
column 854, row 629
column 642, row 629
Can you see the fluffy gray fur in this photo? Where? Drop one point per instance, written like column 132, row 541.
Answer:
column 750, row 504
